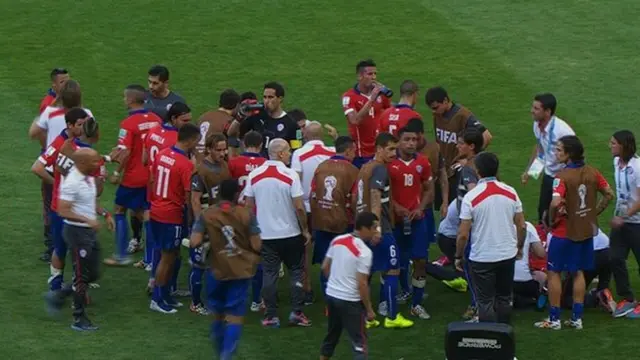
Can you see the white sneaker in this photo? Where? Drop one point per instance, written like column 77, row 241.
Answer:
column 181, row 293
column 162, row 308
column 94, row 286
column 383, row 309
column 548, row 324
column 256, row 307
column 420, row 312
column 199, row 309
column 134, row 246
column 576, row 324
column 147, row 268
column 473, row 320
column 186, row 243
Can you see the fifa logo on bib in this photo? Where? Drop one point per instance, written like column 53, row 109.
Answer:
column 330, row 183
column 582, row 192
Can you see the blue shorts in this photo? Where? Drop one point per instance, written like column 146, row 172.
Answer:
column 166, row 236
column 198, row 257
column 385, row 254
column 570, row 256
column 431, row 225
column 57, row 224
column 227, row 296
column 359, row 161
column 321, row 242
column 132, row 198
column 415, row 245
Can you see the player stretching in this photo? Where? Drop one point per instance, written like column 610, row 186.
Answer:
column 373, row 193
column 573, row 213
column 412, row 185
column 211, row 172
column 235, row 252
column 132, row 192
column 331, row 187
column 240, row 167
column 398, row 116
column 171, row 183
column 159, row 138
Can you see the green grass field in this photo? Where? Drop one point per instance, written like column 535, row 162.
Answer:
column 491, row 55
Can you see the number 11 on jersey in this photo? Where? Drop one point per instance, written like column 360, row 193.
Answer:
column 162, row 181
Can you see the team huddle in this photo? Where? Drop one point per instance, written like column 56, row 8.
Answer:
column 252, row 189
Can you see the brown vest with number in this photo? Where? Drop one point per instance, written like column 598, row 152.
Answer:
column 213, row 178
column 447, row 133
column 361, row 194
column 432, row 151
column 580, row 201
column 330, row 202
column 232, row 256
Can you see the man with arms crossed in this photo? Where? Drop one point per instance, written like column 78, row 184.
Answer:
column 348, row 266
column 235, row 242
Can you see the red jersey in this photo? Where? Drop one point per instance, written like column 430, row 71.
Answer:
column 364, row 134
column 406, row 178
column 48, row 159
column 47, row 100
column 171, row 183
column 397, row 117
column 560, row 189
column 159, row 138
column 133, row 131
column 241, row 166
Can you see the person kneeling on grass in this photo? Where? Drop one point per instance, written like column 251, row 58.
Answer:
column 526, row 289
column 235, row 244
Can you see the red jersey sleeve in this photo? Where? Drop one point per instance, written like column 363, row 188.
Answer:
column 49, row 157
column 559, row 188
column 386, row 102
column 349, row 104
column 602, row 182
column 126, row 135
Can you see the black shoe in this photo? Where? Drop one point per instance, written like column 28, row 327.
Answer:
column 46, row 257
column 308, row 298
column 82, row 323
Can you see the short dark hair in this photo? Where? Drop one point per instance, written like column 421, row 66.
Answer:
column 228, row 189
column 139, row 90
column 416, row 125
column 297, row 114
column 252, row 139
column 160, row 71
column 548, row 101
column 58, row 71
column 408, row 87
column 229, row 99
column 248, row 95
column 366, row 219
column 188, row 132
column 178, row 108
column 406, row 129
column 473, row 136
column 70, row 95
column 573, row 147
column 343, row 143
column 436, row 94
column 72, row 116
column 213, row 139
column 279, row 89
column 627, row 142
column 487, row 164
column 362, row 64
column 384, row 139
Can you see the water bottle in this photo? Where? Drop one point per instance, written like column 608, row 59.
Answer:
column 406, row 229
column 386, row 91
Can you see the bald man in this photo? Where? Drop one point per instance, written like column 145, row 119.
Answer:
column 276, row 192
column 79, row 208
column 305, row 161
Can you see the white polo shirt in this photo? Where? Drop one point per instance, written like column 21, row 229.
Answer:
column 522, row 272
column 52, row 121
column 306, row 160
column 449, row 225
column 491, row 206
column 273, row 186
column 627, row 185
column 80, row 190
column 554, row 130
column 349, row 256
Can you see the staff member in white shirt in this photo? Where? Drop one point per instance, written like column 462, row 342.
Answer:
column 526, row 290
column 625, row 225
column 275, row 192
column 347, row 265
column 305, row 161
column 492, row 207
column 78, row 206
column 547, row 128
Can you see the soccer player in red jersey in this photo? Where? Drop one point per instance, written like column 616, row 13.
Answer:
column 362, row 104
column 59, row 76
column 398, row 116
column 171, row 185
column 411, row 181
column 75, row 119
column 132, row 192
column 240, row 167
